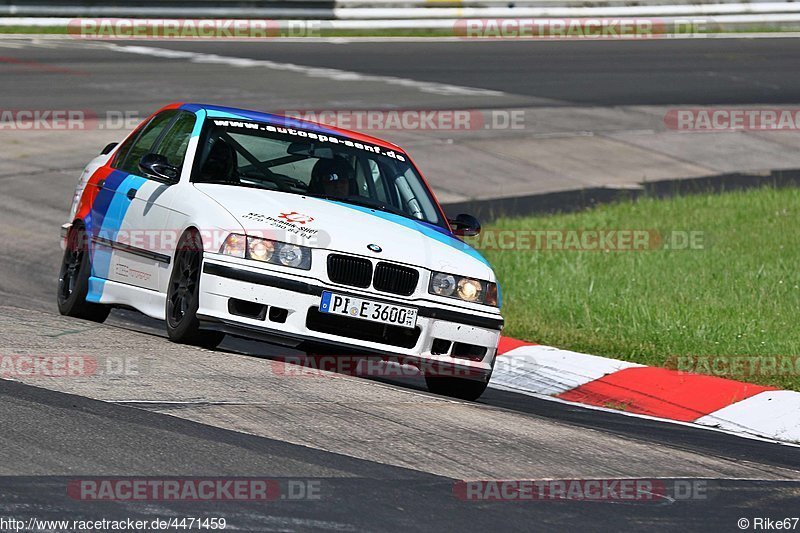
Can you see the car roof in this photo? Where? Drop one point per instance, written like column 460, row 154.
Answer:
column 214, row 111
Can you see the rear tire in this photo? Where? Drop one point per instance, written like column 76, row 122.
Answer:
column 463, row 389
column 183, row 296
column 73, row 280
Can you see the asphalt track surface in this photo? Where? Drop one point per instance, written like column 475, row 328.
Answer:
column 386, row 453
column 607, row 73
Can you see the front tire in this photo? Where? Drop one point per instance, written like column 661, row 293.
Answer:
column 183, row 296
column 73, row 280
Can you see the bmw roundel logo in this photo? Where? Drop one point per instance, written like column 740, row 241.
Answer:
column 375, row 248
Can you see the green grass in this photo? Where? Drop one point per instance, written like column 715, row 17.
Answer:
column 738, row 296
column 37, row 30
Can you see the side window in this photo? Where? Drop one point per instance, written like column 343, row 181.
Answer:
column 124, row 149
column 145, row 142
column 174, row 144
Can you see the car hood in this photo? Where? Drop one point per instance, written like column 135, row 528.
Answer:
column 337, row 226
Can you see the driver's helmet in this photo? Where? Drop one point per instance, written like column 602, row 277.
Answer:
column 332, row 176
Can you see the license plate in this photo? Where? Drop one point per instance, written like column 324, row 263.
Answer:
column 383, row 313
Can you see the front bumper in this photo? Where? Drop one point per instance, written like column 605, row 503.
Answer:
column 471, row 337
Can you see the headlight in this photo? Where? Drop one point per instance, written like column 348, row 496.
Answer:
column 491, row 294
column 267, row 251
column 260, row 249
column 443, row 284
column 234, row 245
column 291, row 255
column 469, row 289
column 463, row 288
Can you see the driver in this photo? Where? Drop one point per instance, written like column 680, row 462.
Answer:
column 220, row 165
column 331, row 177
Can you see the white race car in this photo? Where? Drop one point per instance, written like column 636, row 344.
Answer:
column 225, row 221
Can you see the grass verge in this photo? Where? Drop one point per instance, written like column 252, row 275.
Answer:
column 728, row 307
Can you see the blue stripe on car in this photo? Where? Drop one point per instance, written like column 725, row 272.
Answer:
column 106, row 223
column 103, row 200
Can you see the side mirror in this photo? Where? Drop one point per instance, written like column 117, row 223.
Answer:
column 108, row 148
column 465, row 225
column 158, row 167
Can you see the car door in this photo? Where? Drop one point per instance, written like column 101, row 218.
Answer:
column 109, row 215
column 143, row 254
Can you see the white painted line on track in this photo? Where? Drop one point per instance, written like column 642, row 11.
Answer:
column 311, row 72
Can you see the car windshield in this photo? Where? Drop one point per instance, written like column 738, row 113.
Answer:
column 286, row 159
